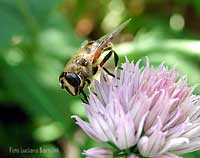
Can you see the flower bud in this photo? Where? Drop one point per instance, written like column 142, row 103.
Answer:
column 98, row 152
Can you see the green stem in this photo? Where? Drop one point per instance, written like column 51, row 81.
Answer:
column 120, row 155
column 113, row 145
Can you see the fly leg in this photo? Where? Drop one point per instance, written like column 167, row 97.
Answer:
column 105, row 59
column 116, row 57
column 85, row 97
column 85, row 100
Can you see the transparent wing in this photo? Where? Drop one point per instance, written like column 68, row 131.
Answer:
column 101, row 42
column 84, row 43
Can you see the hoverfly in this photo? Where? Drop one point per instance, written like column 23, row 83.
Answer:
column 84, row 64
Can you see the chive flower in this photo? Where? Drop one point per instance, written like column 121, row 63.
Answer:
column 143, row 113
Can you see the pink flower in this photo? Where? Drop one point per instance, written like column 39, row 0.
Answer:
column 147, row 112
column 98, row 153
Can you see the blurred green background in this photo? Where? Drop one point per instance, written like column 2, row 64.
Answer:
column 37, row 37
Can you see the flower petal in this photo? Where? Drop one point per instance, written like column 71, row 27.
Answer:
column 87, row 129
column 125, row 133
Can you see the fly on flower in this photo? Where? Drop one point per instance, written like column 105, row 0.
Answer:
column 85, row 63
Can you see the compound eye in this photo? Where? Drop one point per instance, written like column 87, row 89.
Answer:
column 73, row 79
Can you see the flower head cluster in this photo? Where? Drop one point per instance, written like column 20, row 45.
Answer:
column 148, row 112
